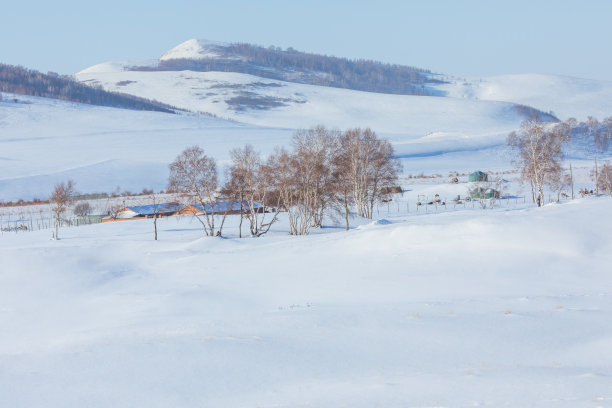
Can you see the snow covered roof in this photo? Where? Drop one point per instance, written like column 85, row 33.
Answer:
column 170, row 208
column 150, row 209
column 222, row 206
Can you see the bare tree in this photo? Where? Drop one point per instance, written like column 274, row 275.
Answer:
column 249, row 185
column 315, row 151
column 82, row 209
column 604, row 180
column 193, row 176
column 61, row 199
column 281, row 171
column 559, row 181
column 154, row 200
column 540, row 148
column 343, row 185
column 370, row 164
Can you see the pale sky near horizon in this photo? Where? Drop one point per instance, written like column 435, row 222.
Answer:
column 462, row 38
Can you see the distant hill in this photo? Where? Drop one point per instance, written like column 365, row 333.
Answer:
column 19, row 80
column 295, row 66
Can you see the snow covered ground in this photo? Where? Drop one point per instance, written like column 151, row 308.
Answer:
column 505, row 307
column 565, row 96
column 44, row 141
column 293, row 105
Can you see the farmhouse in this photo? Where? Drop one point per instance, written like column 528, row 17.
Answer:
column 169, row 209
column 221, row 207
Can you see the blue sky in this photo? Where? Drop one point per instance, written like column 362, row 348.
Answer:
column 464, row 38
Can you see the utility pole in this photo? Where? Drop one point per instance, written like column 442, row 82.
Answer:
column 572, row 180
column 596, row 177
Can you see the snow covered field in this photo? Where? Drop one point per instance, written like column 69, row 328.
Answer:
column 505, row 307
column 44, row 141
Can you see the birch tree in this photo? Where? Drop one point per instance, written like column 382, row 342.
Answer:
column 540, row 150
column 193, row 176
column 61, row 199
column 249, row 185
column 370, row 165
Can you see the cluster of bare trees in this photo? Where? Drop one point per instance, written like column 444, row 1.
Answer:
column 540, row 149
column 603, row 178
column 326, row 171
column 597, row 134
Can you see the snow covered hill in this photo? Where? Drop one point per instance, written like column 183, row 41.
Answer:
column 257, row 99
column 564, row 96
column 250, row 99
column 179, row 78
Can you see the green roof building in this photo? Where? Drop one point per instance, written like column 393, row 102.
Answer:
column 478, row 176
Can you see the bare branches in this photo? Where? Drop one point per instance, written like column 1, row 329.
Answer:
column 193, row 176
column 248, row 185
column 603, row 178
column 61, row 199
column 325, row 171
column 369, row 165
column 540, row 149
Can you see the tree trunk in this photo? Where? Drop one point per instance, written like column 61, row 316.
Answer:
column 155, row 225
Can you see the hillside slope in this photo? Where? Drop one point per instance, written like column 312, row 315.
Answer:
column 271, row 87
column 43, row 141
column 565, row 96
column 294, row 66
column 255, row 100
column 24, row 81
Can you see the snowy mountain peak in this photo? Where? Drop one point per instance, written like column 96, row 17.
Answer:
column 194, row 49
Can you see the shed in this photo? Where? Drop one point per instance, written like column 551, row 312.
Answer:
column 478, row 176
column 484, row 193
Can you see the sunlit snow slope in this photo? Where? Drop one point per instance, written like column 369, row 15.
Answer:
column 44, row 141
column 565, row 96
column 251, row 99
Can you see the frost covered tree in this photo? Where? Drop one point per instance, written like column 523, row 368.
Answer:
column 61, row 199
